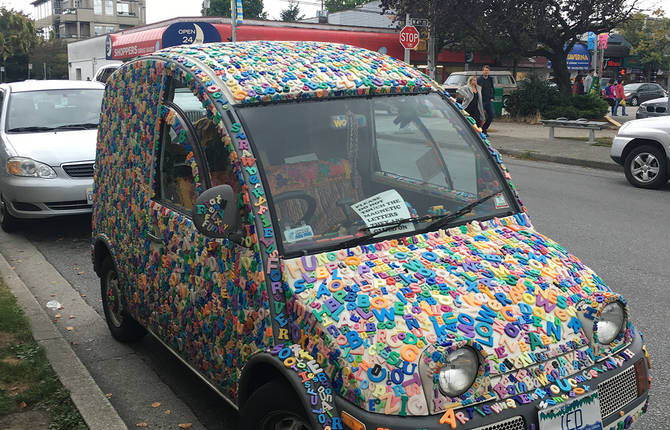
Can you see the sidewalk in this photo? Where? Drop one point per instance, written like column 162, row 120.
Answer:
column 570, row 147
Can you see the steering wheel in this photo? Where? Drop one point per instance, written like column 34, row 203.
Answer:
column 299, row 195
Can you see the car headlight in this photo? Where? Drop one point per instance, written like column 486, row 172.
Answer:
column 611, row 322
column 20, row 166
column 459, row 372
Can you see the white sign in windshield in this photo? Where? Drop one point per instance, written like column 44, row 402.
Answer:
column 384, row 208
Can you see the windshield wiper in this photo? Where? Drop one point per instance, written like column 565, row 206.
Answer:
column 442, row 220
column 30, row 128
column 82, row 126
column 446, row 219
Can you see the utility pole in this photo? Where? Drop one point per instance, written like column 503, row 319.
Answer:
column 431, row 42
column 407, row 22
column 233, row 19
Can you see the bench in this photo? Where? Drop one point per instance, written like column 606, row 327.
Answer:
column 581, row 123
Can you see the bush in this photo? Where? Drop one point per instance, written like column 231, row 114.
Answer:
column 536, row 95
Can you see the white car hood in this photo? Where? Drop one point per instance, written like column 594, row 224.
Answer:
column 660, row 123
column 55, row 148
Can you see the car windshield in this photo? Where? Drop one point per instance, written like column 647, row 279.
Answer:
column 335, row 168
column 456, row 80
column 52, row 109
column 631, row 87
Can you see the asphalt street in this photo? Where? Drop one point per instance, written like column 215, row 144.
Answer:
column 619, row 231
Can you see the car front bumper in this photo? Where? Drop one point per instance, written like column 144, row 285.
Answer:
column 43, row 198
column 618, row 145
column 525, row 416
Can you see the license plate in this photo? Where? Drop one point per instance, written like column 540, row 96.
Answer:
column 89, row 196
column 582, row 413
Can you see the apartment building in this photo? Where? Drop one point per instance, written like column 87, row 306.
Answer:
column 81, row 19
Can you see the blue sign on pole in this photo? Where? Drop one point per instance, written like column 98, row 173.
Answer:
column 579, row 58
column 188, row 33
column 591, row 38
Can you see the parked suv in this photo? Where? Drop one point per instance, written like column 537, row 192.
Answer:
column 501, row 79
column 642, row 147
column 334, row 245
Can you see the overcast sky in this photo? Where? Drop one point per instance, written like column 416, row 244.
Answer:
column 158, row 10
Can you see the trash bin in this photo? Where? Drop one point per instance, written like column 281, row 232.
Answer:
column 498, row 101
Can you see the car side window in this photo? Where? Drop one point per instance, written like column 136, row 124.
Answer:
column 178, row 182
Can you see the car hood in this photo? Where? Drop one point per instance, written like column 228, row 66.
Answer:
column 385, row 314
column 641, row 127
column 660, row 100
column 55, row 148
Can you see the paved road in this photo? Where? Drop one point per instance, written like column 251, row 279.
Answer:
column 620, row 231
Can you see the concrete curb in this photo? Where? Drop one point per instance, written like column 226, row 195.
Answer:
column 537, row 156
column 85, row 393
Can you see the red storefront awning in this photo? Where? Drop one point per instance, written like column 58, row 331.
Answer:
column 129, row 45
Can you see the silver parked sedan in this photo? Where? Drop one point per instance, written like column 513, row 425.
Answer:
column 47, row 148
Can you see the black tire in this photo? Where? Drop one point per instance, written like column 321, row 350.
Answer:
column 505, row 102
column 8, row 222
column 122, row 326
column 633, row 101
column 646, row 167
column 272, row 405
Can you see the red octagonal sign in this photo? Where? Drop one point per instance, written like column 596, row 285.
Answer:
column 409, row 37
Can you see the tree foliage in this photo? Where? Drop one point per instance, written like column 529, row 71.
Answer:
column 517, row 28
column 291, row 13
column 649, row 37
column 337, row 5
column 53, row 53
column 253, row 9
column 17, row 34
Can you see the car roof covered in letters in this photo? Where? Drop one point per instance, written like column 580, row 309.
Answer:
column 270, row 71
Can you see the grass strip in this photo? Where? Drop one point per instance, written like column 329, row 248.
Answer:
column 27, row 380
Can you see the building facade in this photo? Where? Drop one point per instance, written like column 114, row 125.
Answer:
column 81, row 19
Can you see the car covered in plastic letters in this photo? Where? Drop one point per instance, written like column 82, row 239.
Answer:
column 330, row 242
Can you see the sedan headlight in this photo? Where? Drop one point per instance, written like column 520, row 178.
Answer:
column 459, row 372
column 20, row 166
column 611, row 322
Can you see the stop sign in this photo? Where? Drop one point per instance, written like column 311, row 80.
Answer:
column 409, row 37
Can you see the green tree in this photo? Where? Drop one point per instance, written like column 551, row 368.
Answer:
column 17, row 39
column 337, row 5
column 53, row 53
column 532, row 27
column 650, row 38
column 291, row 13
column 253, row 9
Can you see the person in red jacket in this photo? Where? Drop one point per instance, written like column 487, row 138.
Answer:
column 618, row 97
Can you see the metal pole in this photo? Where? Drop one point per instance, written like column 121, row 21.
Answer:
column 45, row 70
column 431, row 43
column 407, row 60
column 233, row 17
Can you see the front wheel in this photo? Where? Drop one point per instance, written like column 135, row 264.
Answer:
column 634, row 101
column 122, row 326
column 8, row 222
column 646, row 167
column 274, row 406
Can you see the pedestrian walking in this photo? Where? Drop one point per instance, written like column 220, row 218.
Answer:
column 608, row 94
column 488, row 93
column 472, row 100
column 619, row 99
column 578, row 86
column 588, row 80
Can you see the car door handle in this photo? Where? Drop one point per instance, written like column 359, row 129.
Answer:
column 154, row 238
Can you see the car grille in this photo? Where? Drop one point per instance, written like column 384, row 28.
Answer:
column 516, row 423
column 617, row 392
column 74, row 204
column 79, row 170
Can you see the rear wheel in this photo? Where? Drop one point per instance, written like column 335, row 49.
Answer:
column 274, row 406
column 8, row 222
column 123, row 327
column 633, row 101
column 646, row 167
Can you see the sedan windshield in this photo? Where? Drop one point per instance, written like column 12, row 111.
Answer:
column 34, row 111
column 631, row 87
column 336, row 169
column 456, row 80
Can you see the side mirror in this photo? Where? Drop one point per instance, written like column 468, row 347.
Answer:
column 215, row 213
